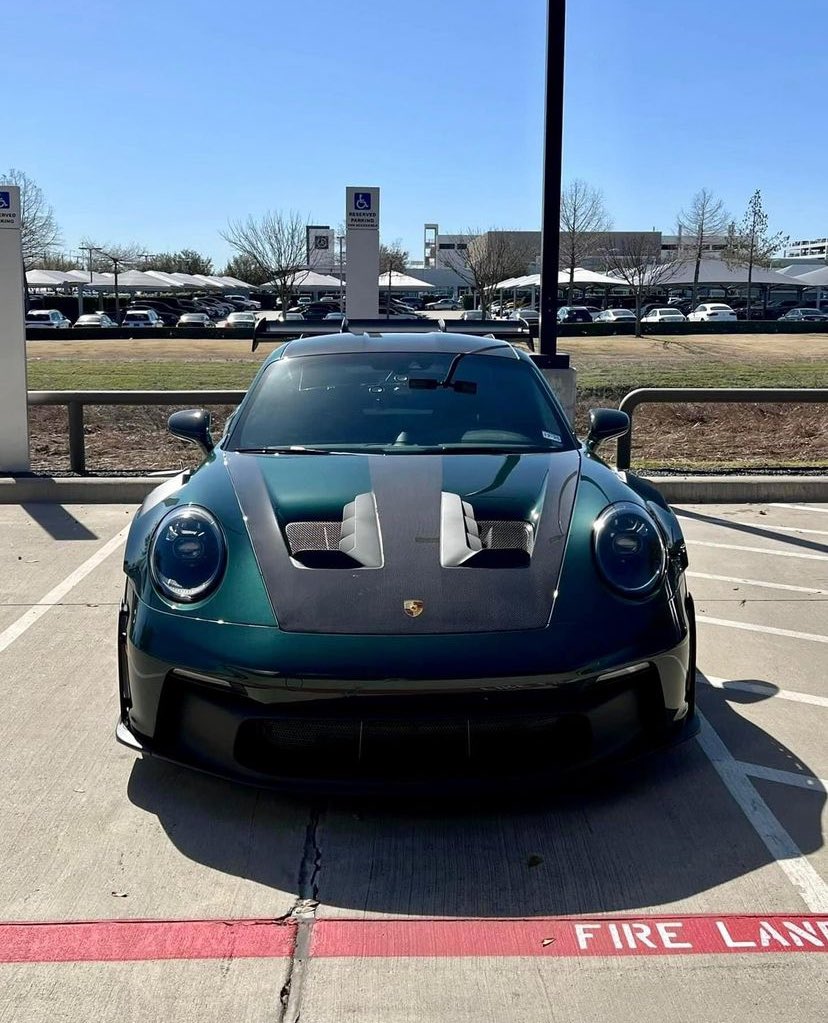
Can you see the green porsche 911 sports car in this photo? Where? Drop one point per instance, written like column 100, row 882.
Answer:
column 400, row 565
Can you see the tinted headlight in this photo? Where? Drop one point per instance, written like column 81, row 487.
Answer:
column 187, row 555
column 629, row 549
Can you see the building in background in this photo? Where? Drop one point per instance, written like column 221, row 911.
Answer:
column 816, row 248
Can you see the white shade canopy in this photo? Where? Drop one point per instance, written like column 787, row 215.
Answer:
column 716, row 271
column 90, row 278
column 580, row 276
column 402, row 282
column 814, row 278
column 48, row 278
column 309, row 280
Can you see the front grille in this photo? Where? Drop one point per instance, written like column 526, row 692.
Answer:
column 478, row 734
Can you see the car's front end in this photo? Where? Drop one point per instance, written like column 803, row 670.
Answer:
column 360, row 619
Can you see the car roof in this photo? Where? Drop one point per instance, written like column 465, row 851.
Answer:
column 429, row 342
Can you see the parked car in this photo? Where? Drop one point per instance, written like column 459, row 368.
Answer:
column 44, row 318
column 615, row 316
column 95, row 320
column 242, row 302
column 548, row 625
column 574, row 314
column 168, row 316
column 525, row 312
column 801, row 314
column 664, row 314
column 711, row 311
column 294, row 314
column 332, row 317
column 141, row 319
column 195, row 320
column 238, row 319
column 472, row 314
column 444, row 303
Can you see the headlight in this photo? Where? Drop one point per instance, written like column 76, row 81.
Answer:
column 629, row 549
column 187, row 555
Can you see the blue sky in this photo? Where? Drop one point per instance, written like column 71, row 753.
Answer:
column 158, row 121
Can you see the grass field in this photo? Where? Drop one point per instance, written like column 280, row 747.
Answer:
column 607, row 368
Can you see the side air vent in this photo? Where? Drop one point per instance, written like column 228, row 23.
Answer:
column 352, row 543
column 491, row 543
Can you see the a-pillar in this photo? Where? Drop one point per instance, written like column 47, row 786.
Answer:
column 14, row 425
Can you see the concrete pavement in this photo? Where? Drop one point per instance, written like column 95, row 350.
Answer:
column 730, row 825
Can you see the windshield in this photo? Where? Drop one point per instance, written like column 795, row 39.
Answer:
column 394, row 402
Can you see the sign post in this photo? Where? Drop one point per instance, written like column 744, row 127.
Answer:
column 362, row 243
column 14, row 423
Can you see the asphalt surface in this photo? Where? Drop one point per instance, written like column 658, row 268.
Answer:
column 399, row 912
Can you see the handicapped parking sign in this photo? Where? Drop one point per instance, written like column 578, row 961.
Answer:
column 5, row 201
column 362, row 208
column 362, row 200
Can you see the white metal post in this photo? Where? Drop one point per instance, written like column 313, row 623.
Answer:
column 362, row 243
column 14, row 423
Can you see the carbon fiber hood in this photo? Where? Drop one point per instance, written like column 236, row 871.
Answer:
column 416, row 560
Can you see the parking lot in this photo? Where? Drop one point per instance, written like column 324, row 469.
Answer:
column 135, row 890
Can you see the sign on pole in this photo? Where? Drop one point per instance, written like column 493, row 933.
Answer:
column 14, row 424
column 362, row 242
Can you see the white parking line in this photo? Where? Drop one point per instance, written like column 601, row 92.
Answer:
column 57, row 593
column 758, row 550
column 750, row 627
column 799, row 781
column 757, row 582
column 760, row 689
column 800, row 507
column 769, row 527
column 788, row 855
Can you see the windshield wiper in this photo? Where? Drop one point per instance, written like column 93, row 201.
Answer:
column 291, row 449
column 490, row 449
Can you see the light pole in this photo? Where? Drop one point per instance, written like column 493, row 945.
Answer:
column 552, row 160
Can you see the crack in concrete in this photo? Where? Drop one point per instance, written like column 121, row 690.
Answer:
column 303, row 912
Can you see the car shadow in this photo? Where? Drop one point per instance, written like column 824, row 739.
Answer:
column 655, row 832
column 768, row 532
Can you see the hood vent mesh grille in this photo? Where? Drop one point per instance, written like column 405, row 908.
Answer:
column 495, row 535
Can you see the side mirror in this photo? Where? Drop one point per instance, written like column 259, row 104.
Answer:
column 604, row 424
column 192, row 425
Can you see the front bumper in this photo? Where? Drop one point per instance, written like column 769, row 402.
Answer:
column 363, row 734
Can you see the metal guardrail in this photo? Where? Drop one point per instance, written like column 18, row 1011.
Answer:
column 76, row 401
column 711, row 396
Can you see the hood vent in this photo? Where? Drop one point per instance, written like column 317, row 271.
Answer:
column 490, row 543
column 355, row 542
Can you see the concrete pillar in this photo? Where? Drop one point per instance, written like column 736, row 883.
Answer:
column 362, row 246
column 14, row 423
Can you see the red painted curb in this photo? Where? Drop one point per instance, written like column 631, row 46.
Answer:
column 568, row 936
column 142, row 940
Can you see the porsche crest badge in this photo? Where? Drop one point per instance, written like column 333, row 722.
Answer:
column 413, row 608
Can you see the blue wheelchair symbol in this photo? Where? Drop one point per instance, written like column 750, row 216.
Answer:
column 5, row 200
column 362, row 200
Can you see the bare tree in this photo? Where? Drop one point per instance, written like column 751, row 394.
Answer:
column 243, row 268
column 103, row 256
column 393, row 258
column 584, row 225
column 706, row 216
column 637, row 262
column 38, row 227
column 59, row 261
column 749, row 244
column 488, row 257
column 276, row 243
